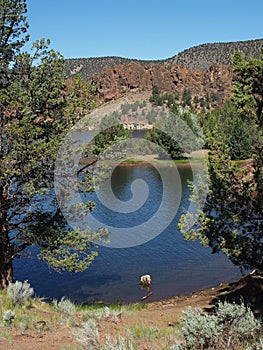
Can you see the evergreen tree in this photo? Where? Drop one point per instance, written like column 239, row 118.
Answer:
column 239, row 140
column 235, row 131
column 166, row 142
column 232, row 217
column 248, row 87
column 35, row 112
column 186, row 98
column 176, row 133
column 111, row 130
column 156, row 99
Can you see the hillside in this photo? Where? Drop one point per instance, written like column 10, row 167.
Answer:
column 133, row 77
column 86, row 67
column 199, row 57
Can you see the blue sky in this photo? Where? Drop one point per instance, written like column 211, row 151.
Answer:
column 141, row 29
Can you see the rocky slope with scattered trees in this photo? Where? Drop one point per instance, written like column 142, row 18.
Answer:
column 205, row 70
column 199, row 57
column 203, row 56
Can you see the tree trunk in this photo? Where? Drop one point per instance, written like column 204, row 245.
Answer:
column 6, row 274
column 6, row 263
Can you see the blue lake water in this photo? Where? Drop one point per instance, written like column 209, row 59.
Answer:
column 176, row 266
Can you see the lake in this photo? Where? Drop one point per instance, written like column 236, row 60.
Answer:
column 176, row 266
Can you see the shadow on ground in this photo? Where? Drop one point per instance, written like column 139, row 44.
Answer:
column 247, row 290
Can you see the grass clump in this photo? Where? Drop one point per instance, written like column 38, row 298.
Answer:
column 19, row 311
column 89, row 336
column 107, row 314
column 90, row 339
column 112, row 312
column 145, row 332
column 65, row 305
column 120, row 343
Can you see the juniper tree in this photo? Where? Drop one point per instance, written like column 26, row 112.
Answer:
column 36, row 108
column 233, row 129
column 232, row 218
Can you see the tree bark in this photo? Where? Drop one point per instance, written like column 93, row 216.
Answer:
column 6, row 273
column 6, row 263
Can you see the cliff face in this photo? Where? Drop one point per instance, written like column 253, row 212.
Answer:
column 114, row 82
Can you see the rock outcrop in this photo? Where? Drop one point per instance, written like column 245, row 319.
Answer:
column 200, row 57
column 204, row 69
column 114, row 82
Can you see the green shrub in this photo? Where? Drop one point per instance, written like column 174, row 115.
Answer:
column 232, row 327
column 237, row 320
column 258, row 346
column 19, row 292
column 8, row 316
column 200, row 331
column 89, row 336
column 65, row 305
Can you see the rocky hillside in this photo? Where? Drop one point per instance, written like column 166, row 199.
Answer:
column 86, row 67
column 203, row 56
column 205, row 70
column 114, row 82
column 199, row 57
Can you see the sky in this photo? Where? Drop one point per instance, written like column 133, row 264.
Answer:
column 141, row 29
